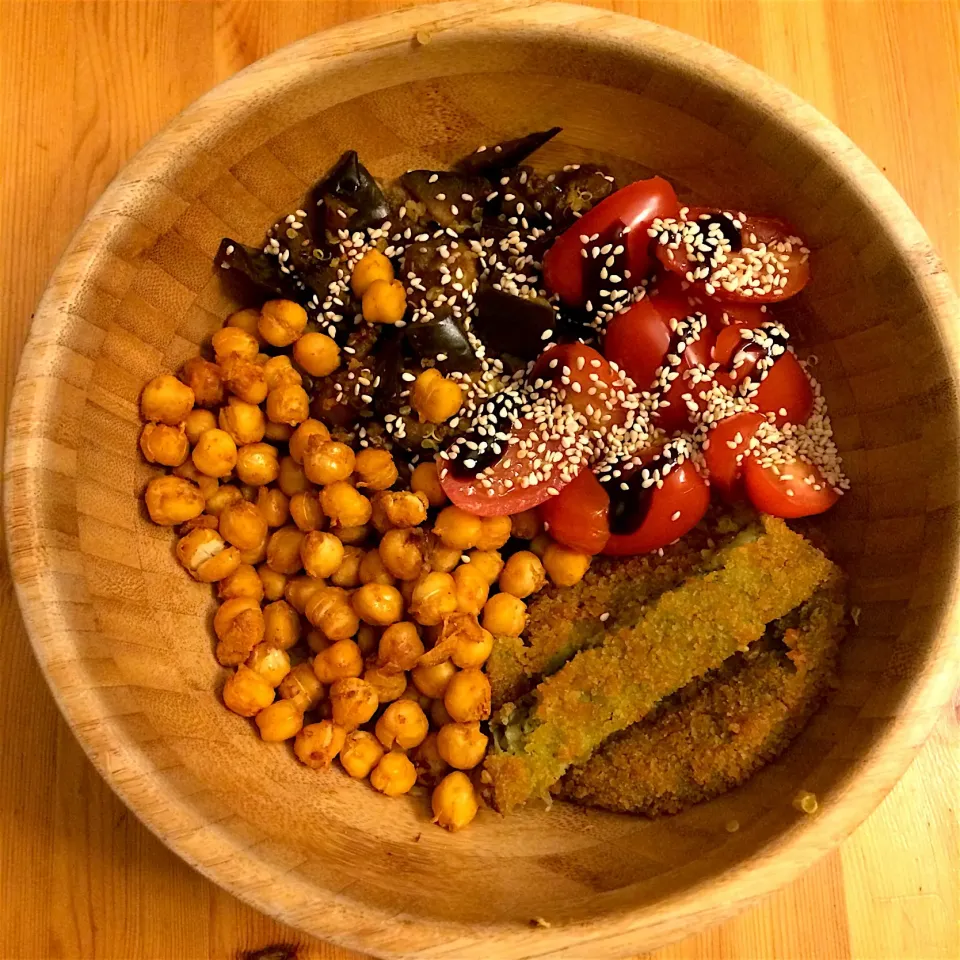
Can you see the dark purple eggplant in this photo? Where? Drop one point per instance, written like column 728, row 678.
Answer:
column 353, row 186
column 450, row 199
column 580, row 188
column 509, row 153
column 262, row 269
column 425, row 260
column 513, row 326
column 388, row 369
column 443, row 338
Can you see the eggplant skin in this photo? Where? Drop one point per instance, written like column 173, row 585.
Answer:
column 450, row 199
column 509, row 153
column 351, row 183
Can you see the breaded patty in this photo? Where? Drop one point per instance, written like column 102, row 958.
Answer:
column 683, row 634
column 718, row 731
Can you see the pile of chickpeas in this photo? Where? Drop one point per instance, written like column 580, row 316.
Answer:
column 356, row 618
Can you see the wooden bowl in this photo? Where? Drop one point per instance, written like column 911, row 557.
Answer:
column 125, row 638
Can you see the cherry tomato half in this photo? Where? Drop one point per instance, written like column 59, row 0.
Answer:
column 636, row 206
column 674, row 509
column 592, row 385
column 756, row 233
column 790, row 493
column 503, row 494
column 728, row 440
column 577, row 518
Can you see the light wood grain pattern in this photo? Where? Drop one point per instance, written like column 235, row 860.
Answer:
column 86, row 879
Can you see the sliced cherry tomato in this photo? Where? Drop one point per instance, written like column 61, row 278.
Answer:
column 577, row 518
column 592, row 384
column 499, row 492
column 674, row 509
column 789, row 491
column 729, row 440
column 635, row 206
column 719, row 314
column 756, row 234
column 638, row 339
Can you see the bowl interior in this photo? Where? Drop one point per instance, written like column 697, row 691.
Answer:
column 126, row 638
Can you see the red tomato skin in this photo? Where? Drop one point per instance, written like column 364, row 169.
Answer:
column 767, row 492
column 721, row 458
column 786, row 392
column 685, row 490
column 719, row 314
column 638, row 204
column 578, row 516
column 566, row 355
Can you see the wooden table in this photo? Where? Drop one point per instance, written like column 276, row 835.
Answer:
column 85, row 84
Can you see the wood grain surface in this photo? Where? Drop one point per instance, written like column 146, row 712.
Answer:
column 85, row 85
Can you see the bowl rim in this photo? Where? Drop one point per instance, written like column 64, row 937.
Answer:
column 642, row 928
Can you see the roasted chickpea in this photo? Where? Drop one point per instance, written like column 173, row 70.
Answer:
column 368, row 639
column 302, row 435
column 522, row 575
column 344, row 505
column 317, row 744
column 394, row 775
column 472, row 589
column 292, row 478
column 564, row 566
column 384, row 301
column 429, row 764
column 375, row 469
column 400, row 647
column 488, row 563
column 283, row 550
column 208, row 485
column 432, row 681
column 438, row 714
column 354, row 702
column 279, row 372
column 412, row 693
column 389, row 686
column 281, row 322
column 402, row 553
column 505, row 615
column 439, row 558
column 454, row 802
column 270, row 661
column 165, row 445
column 494, row 533
column 198, row 421
column 425, row 479
column 281, row 624
column 373, row 265
column 246, row 692
column 458, row 529
column 326, row 462
column 302, row 687
column 274, row 506
column 305, row 510
column 288, row 404
column 243, row 582
column 403, row 509
column 435, row 397
column 360, row 753
column 378, row 604
column 372, row 569
column 243, row 421
column 317, row 353
column 299, row 590
column 244, row 379
column 539, row 544
column 403, row 724
column 321, row 553
column 339, row 661
column 203, row 378
column 348, row 573
column 221, row 498
column 351, row 536
column 215, row 453
column 238, row 624
column 206, row 557
column 329, row 609
column 172, row 500
column 525, row 525
column 462, row 745
column 467, row 697
column 473, row 648
column 242, row 524
column 248, row 320
column 317, row 641
column 257, row 464
column 166, row 399
column 282, row 720
column 233, row 341
column 278, row 432
column 255, row 555
column 434, row 596
column 273, row 583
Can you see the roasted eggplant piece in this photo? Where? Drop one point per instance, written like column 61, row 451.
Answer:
column 388, row 367
column 428, row 259
column 443, row 338
column 509, row 153
column 263, row 270
column 450, row 200
column 512, row 326
column 351, row 189
column 580, row 188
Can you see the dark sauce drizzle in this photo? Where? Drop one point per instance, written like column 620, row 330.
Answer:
column 486, row 443
column 630, row 498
